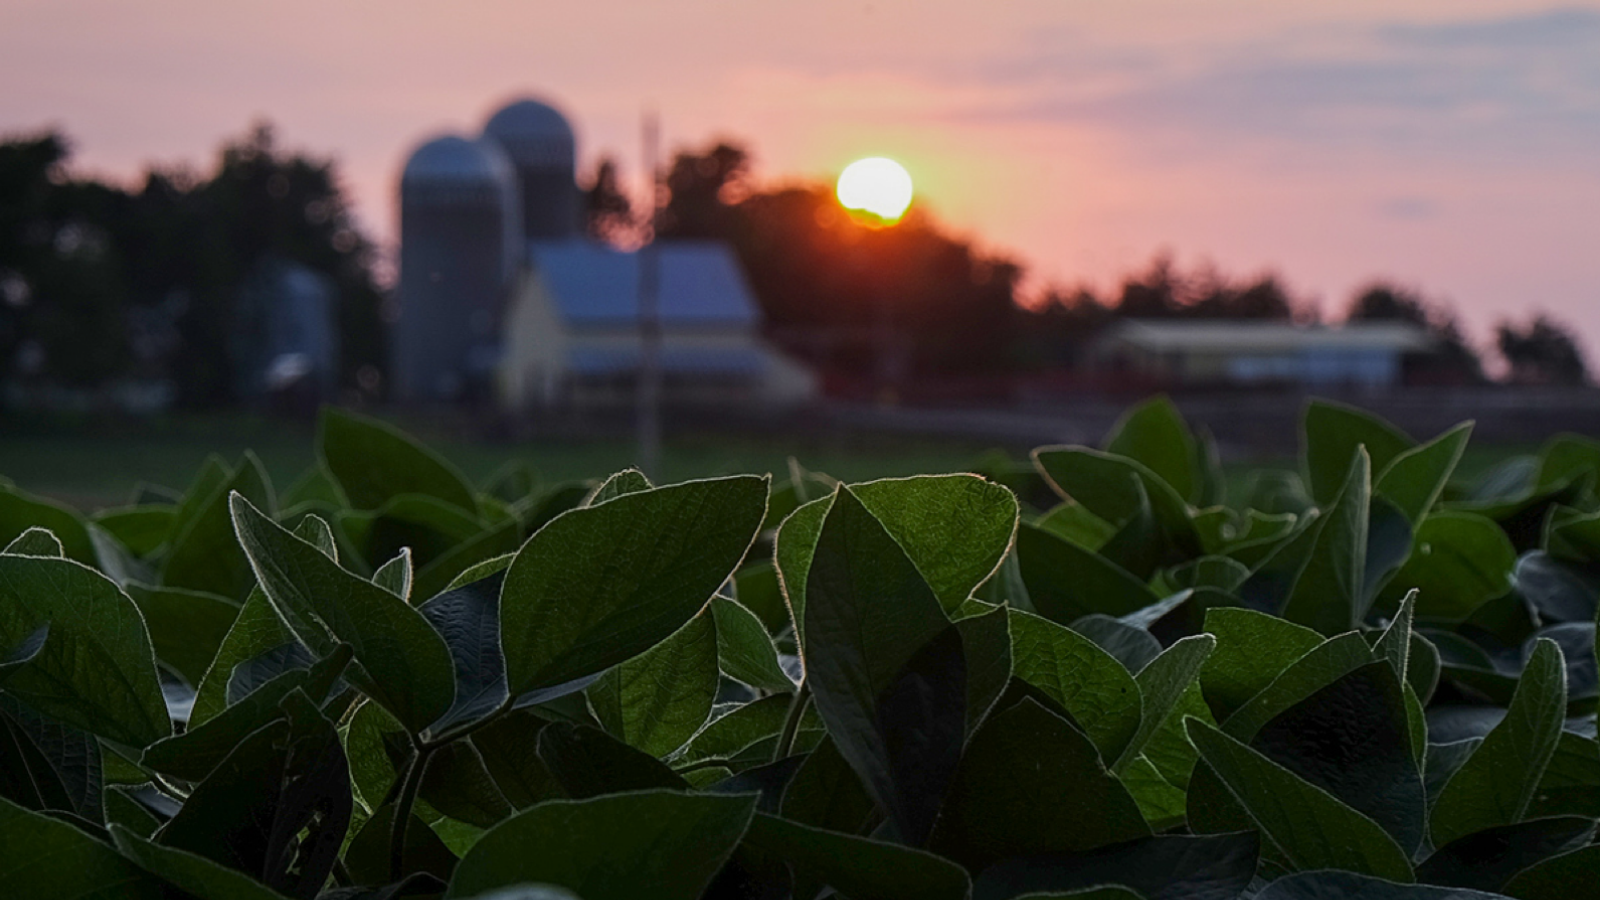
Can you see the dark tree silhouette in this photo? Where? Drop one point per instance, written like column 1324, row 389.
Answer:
column 101, row 283
column 1451, row 361
column 608, row 213
column 1542, row 352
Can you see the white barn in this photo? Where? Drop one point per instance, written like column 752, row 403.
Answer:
column 572, row 333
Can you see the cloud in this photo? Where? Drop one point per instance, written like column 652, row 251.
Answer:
column 1509, row 88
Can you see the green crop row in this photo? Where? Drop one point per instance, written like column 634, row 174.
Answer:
column 386, row 682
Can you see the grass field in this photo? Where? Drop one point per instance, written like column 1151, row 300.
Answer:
column 92, row 463
column 96, row 464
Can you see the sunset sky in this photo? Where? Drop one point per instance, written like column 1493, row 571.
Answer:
column 1454, row 146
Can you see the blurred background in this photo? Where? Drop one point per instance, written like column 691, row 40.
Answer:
column 575, row 233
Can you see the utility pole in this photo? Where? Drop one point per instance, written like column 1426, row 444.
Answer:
column 649, row 385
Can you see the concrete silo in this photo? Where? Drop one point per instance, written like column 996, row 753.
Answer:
column 459, row 245
column 540, row 144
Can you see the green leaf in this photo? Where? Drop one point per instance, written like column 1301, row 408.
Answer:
column 1568, row 456
column 49, row 766
column 277, row 807
column 96, row 670
column 1458, row 561
column 1353, row 739
column 374, row 462
column 1066, row 582
column 1496, row 784
column 206, row 555
column 1332, row 432
column 954, row 528
column 509, row 748
column 660, row 698
column 192, row 755
column 1252, row 649
column 1487, row 859
column 587, row 762
column 457, row 783
column 793, row 548
column 1308, row 825
column 1330, row 594
column 1095, row 689
column 366, row 858
column 744, row 649
column 23, row 652
column 858, row 867
column 1162, row 684
column 45, row 858
column 1322, row 666
column 400, row 661
column 186, row 627
column 1072, row 521
column 141, row 529
column 256, row 630
column 602, row 584
column 1165, row 867
column 20, row 511
column 468, row 618
column 35, row 541
column 628, row 481
column 1155, row 434
column 657, row 844
column 870, row 621
column 394, row 576
column 1414, row 480
column 1006, row 803
column 986, row 642
column 1394, row 644
column 430, row 527
column 1554, row 878
column 1104, row 483
column 195, row 875
column 734, row 727
column 1351, row 886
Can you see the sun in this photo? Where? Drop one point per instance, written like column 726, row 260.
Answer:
column 876, row 185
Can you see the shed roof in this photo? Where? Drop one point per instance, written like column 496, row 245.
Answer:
column 1235, row 336
column 592, row 284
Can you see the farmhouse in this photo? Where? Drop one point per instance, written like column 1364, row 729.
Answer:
column 502, row 298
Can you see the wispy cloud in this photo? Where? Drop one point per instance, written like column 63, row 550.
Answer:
column 1484, row 89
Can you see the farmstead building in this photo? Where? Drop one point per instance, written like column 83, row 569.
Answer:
column 503, row 298
column 1198, row 353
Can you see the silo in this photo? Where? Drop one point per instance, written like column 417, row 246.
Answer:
column 540, row 144
column 459, row 228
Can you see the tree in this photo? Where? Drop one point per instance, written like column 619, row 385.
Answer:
column 1452, row 359
column 829, row 285
column 100, row 283
column 1542, row 352
column 608, row 214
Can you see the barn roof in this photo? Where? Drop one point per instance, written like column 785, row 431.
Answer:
column 593, row 284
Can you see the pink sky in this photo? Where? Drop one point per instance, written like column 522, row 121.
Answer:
column 1454, row 146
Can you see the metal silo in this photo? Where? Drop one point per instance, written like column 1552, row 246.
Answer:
column 459, row 246
column 540, row 144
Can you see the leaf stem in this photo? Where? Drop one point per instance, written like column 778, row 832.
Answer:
column 465, row 729
column 791, row 722
column 402, row 810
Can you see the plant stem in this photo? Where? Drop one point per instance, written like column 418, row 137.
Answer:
column 461, row 731
column 791, row 722
column 402, row 810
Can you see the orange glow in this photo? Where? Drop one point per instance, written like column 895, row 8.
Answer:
column 875, row 185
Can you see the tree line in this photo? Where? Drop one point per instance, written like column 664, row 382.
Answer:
column 101, row 282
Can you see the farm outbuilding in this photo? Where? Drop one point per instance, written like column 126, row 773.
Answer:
column 1180, row 353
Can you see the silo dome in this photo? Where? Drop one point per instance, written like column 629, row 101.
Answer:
column 534, row 134
column 460, row 240
column 541, row 146
column 453, row 169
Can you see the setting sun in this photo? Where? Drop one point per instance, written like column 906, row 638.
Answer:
column 876, row 185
